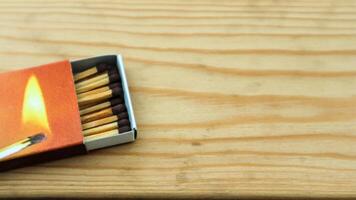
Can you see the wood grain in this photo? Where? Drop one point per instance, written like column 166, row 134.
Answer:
column 232, row 98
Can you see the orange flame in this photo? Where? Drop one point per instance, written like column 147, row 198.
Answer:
column 34, row 114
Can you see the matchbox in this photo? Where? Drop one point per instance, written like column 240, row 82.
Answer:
column 64, row 108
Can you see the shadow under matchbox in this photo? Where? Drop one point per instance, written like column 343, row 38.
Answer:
column 62, row 109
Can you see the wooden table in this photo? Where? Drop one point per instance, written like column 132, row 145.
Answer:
column 233, row 98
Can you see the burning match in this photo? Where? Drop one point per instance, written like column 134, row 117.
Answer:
column 34, row 118
column 21, row 145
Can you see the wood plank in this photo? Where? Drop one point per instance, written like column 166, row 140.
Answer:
column 233, row 98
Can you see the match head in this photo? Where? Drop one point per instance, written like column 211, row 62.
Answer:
column 104, row 67
column 124, row 129
column 123, row 115
column 37, row 138
column 116, row 101
column 117, row 91
column 123, row 122
column 118, row 109
column 113, row 76
column 115, row 85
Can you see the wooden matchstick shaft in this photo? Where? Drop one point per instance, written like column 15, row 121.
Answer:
column 97, row 115
column 95, row 91
column 100, row 106
column 92, row 80
column 106, row 134
column 103, row 113
column 88, row 105
column 98, row 97
column 107, row 127
column 102, row 82
column 122, row 117
column 94, row 97
column 101, row 135
column 99, row 90
column 92, row 86
column 94, row 108
column 94, row 70
column 85, row 74
column 100, row 129
column 100, row 122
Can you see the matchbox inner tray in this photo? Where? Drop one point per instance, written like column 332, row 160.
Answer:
column 40, row 118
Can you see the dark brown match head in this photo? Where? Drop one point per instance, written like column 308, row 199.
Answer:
column 124, row 129
column 123, row 122
column 104, row 67
column 116, row 91
column 113, row 76
column 114, row 85
column 118, row 109
column 123, row 115
column 116, row 101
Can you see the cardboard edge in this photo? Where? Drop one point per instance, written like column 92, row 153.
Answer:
column 127, row 96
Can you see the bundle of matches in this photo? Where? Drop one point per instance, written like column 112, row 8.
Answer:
column 100, row 98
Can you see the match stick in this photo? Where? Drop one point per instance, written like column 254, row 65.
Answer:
column 100, row 106
column 100, row 96
column 99, row 90
column 104, row 121
column 20, row 145
column 94, row 70
column 106, row 134
column 92, row 80
column 105, row 80
column 88, row 105
column 103, row 113
column 106, row 127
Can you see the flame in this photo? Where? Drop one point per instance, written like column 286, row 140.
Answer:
column 34, row 114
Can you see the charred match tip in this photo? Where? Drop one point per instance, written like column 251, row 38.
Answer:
column 123, row 122
column 37, row 138
column 118, row 109
column 116, row 91
column 123, row 115
column 114, row 85
column 124, row 129
column 113, row 76
column 115, row 101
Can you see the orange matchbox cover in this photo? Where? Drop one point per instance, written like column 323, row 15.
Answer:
column 38, row 110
